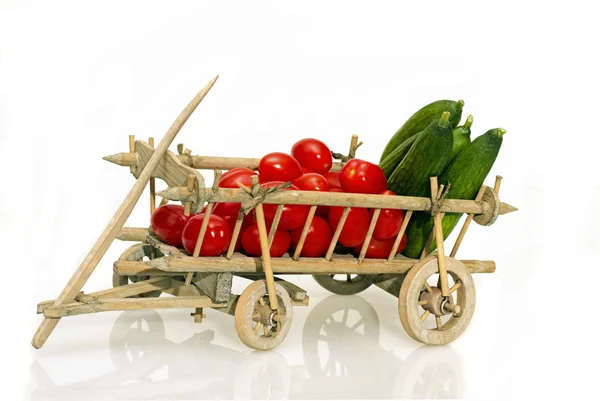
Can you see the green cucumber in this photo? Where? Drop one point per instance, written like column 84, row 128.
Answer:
column 427, row 157
column 466, row 173
column 421, row 120
column 389, row 164
column 462, row 137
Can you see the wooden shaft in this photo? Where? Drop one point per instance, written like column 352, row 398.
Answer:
column 307, row 223
column 227, row 163
column 123, row 159
column 234, row 236
column 341, row 264
column 118, row 220
column 465, row 227
column 439, row 238
column 275, row 224
column 429, row 241
column 264, row 247
column 116, row 304
column 164, row 201
column 190, row 187
column 407, row 217
column 315, row 198
column 132, row 150
column 152, row 183
column 433, row 183
column 497, row 184
column 137, row 234
column 363, row 250
column 336, row 234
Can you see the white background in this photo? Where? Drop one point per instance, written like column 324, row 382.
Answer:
column 76, row 78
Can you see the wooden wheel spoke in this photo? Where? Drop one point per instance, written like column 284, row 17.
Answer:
column 421, row 303
column 261, row 300
column 266, row 330
column 427, row 287
column 257, row 327
column 349, row 278
column 454, row 287
column 438, row 322
column 424, row 315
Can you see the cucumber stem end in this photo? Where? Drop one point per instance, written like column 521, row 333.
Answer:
column 469, row 121
column 444, row 119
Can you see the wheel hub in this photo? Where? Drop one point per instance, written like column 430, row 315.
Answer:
column 438, row 304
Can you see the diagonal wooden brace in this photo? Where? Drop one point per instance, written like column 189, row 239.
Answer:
column 92, row 259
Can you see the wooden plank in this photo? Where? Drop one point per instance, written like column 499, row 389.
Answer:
column 98, row 250
column 120, row 304
column 283, row 265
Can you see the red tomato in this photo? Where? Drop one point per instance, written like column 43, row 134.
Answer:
column 304, row 170
column 317, row 240
column 333, row 179
column 311, row 182
column 355, row 228
column 235, row 175
column 230, row 220
column 389, row 222
column 251, row 242
column 313, row 154
column 293, row 216
column 381, row 249
column 362, row 177
column 168, row 222
column 278, row 166
column 323, row 211
column 216, row 239
column 230, row 180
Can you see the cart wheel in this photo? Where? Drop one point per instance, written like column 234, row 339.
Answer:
column 257, row 325
column 449, row 317
column 342, row 284
column 137, row 252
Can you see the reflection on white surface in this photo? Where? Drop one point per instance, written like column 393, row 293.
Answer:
column 341, row 351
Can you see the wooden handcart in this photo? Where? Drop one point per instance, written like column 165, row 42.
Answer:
column 263, row 311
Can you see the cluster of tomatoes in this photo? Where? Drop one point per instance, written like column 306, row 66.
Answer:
column 308, row 169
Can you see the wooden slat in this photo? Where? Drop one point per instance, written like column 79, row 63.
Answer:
column 367, row 241
column 304, row 233
column 405, row 222
column 337, row 232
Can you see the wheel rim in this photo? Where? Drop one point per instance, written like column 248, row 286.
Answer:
column 137, row 252
column 343, row 284
column 434, row 322
column 257, row 325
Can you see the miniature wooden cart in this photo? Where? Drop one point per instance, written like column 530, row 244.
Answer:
column 263, row 312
